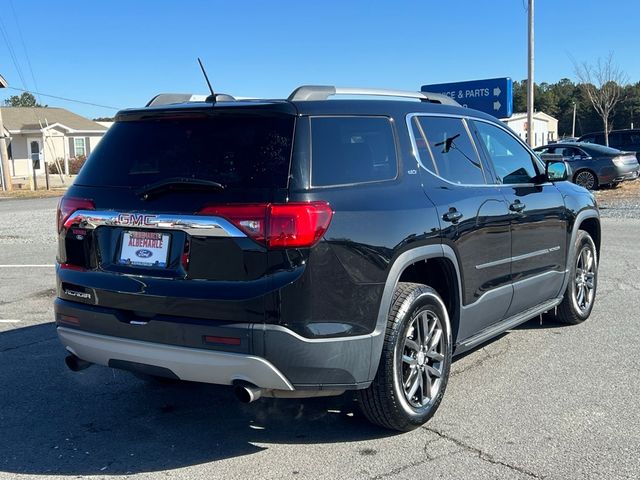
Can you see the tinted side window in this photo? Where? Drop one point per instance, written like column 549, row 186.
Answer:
column 568, row 151
column 512, row 161
column 451, row 155
column 615, row 140
column 589, row 139
column 634, row 140
column 347, row 150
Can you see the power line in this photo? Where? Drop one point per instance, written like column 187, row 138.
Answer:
column 24, row 48
column 5, row 34
column 12, row 53
column 65, row 99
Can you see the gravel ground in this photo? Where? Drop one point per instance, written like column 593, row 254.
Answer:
column 621, row 202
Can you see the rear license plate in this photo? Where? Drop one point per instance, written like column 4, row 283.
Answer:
column 147, row 249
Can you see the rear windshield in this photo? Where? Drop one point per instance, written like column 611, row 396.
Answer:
column 238, row 151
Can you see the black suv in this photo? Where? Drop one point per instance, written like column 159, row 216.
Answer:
column 304, row 247
column 627, row 139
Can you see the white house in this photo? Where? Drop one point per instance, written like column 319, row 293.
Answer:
column 545, row 127
column 46, row 134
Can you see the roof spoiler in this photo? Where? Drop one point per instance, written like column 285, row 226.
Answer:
column 323, row 92
column 173, row 98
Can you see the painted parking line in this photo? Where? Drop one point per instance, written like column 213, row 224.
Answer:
column 28, row 266
column 10, row 321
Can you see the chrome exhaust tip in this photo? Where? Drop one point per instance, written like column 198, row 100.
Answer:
column 247, row 393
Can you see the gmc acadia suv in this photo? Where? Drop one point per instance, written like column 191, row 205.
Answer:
column 305, row 247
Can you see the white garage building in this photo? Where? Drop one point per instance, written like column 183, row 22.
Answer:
column 545, row 127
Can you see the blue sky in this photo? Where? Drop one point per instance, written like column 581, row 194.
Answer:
column 121, row 53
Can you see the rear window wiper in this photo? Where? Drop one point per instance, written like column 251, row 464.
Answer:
column 173, row 184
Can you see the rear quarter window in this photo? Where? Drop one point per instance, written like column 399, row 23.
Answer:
column 348, row 150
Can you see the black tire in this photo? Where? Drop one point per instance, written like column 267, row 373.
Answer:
column 586, row 179
column 573, row 310
column 415, row 308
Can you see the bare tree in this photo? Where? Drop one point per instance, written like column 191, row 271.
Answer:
column 602, row 83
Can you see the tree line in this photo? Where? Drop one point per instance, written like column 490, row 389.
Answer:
column 557, row 99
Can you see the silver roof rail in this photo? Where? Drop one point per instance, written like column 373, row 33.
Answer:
column 323, row 92
column 171, row 98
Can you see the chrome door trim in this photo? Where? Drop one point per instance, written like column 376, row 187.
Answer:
column 196, row 225
column 517, row 258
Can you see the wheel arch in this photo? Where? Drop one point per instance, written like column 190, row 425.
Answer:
column 591, row 225
column 432, row 265
column 587, row 220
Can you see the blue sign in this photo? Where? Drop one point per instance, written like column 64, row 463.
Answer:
column 493, row 96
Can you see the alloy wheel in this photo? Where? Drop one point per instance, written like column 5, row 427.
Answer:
column 423, row 359
column 586, row 179
column 584, row 285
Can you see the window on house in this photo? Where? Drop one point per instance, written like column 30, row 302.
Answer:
column 79, row 146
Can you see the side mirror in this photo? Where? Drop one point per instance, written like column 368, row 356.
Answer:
column 556, row 171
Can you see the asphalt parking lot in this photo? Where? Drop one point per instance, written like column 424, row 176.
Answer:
column 543, row 401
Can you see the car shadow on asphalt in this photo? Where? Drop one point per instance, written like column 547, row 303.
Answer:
column 547, row 322
column 103, row 421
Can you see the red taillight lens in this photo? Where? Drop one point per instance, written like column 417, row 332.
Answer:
column 289, row 225
column 68, row 205
column 298, row 224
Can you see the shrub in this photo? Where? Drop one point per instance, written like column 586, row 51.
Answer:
column 75, row 164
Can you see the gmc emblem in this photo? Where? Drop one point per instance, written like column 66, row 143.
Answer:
column 136, row 219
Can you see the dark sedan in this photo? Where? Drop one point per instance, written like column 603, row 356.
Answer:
column 592, row 165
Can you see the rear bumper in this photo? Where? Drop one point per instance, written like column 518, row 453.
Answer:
column 619, row 174
column 191, row 364
column 269, row 356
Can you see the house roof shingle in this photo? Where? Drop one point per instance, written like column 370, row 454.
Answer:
column 29, row 118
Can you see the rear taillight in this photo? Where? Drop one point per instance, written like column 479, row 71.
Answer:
column 288, row 225
column 68, row 205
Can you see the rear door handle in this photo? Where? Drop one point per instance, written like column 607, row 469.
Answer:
column 452, row 215
column 517, row 206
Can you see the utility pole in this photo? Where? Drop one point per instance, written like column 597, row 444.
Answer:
column 573, row 126
column 530, row 81
column 4, row 156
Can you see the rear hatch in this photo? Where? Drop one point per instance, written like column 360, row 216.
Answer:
column 167, row 219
